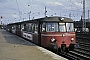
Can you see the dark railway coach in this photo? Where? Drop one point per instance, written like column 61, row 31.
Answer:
column 55, row 33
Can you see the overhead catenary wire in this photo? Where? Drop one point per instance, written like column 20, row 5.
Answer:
column 51, row 11
column 18, row 9
column 8, row 7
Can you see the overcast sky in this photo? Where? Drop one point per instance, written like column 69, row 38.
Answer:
column 17, row 10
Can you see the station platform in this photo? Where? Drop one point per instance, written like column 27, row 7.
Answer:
column 13, row 47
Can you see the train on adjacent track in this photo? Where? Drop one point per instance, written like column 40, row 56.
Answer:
column 54, row 33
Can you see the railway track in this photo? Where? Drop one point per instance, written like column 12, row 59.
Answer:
column 76, row 54
column 81, row 53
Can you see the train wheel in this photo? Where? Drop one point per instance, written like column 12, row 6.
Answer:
column 71, row 47
column 59, row 50
column 55, row 48
column 67, row 49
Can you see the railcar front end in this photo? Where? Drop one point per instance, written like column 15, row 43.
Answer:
column 58, row 36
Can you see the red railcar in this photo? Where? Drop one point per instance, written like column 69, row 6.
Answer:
column 56, row 33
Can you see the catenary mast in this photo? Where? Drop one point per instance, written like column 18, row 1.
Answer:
column 84, row 21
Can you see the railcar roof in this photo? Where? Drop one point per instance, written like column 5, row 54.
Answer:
column 55, row 19
column 48, row 19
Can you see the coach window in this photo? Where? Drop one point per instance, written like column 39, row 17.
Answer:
column 36, row 28
column 25, row 27
column 43, row 27
column 22, row 27
column 13, row 27
column 29, row 27
column 18, row 26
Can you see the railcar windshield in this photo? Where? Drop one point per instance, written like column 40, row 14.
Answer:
column 57, row 27
column 69, row 27
column 50, row 27
column 62, row 27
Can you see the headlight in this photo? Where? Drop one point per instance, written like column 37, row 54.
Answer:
column 72, row 39
column 53, row 40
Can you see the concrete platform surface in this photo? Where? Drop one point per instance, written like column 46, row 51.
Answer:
column 13, row 47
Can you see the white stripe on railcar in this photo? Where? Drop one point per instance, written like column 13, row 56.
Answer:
column 57, row 34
